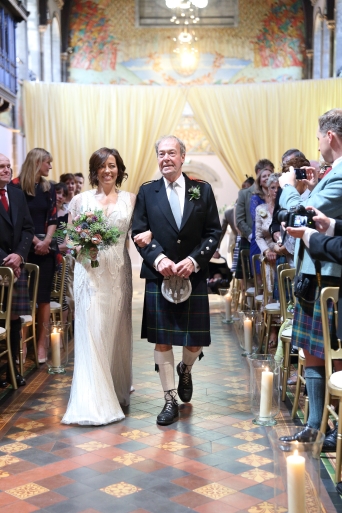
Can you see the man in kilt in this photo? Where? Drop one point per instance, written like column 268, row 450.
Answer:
column 183, row 218
column 307, row 325
column 16, row 235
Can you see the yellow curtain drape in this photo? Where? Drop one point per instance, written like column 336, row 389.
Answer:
column 72, row 121
column 247, row 122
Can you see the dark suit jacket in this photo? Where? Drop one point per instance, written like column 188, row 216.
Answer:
column 197, row 237
column 328, row 249
column 16, row 226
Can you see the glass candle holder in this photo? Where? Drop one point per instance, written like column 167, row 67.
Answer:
column 250, row 338
column 264, row 388
column 56, row 346
column 235, row 303
column 227, row 299
column 296, row 471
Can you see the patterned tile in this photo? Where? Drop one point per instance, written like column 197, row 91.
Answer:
column 140, row 416
column 27, row 490
column 251, row 447
column 8, row 460
column 22, row 435
column 15, row 447
column 61, row 385
column 245, row 424
column 248, row 436
column 214, row 491
column 257, row 475
column 42, row 407
column 120, row 489
column 266, row 507
column 3, row 474
column 30, row 425
column 172, row 446
column 254, row 460
column 129, row 458
column 135, row 434
column 92, row 446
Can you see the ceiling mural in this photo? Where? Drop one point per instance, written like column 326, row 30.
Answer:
column 110, row 48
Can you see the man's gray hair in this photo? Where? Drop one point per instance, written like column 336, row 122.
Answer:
column 273, row 178
column 180, row 142
column 331, row 120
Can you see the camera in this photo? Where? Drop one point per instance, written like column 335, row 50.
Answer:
column 297, row 217
column 300, row 173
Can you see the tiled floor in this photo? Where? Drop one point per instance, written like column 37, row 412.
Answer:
column 212, row 460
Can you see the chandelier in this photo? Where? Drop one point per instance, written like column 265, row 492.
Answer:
column 183, row 4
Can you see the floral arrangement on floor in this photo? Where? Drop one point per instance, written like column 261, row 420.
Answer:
column 89, row 231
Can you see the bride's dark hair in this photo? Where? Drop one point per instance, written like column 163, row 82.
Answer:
column 97, row 160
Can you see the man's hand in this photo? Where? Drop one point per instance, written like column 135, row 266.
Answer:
column 13, row 261
column 143, row 239
column 322, row 222
column 185, row 268
column 42, row 247
column 311, row 177
column 271, row 256
column 167, row 268
column 280, row 250
column 288, row 178
column 297, row 233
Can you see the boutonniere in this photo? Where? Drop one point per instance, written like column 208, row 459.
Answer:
column 262, row 212
column 195, row 192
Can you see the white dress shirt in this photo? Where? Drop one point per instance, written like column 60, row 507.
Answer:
column 180, row 190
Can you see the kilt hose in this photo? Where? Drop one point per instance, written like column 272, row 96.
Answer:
column 20, row 296
column 307, row 331
column 182, row 324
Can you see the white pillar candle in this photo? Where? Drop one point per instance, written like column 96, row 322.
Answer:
column 248, row 333
column 56, row 349
column 295, row 466
column 228, row 306
column 266, row 393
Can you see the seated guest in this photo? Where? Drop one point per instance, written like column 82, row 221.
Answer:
column 79, row 182
column 69, row 180
column 220, row 275
column 17, row 230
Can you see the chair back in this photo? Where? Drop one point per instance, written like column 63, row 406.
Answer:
column 246, row 267
column 329, row 353
column 58, row 283
column 257, row 286
column 286, row 296
column 6, row 293
column 32, row 283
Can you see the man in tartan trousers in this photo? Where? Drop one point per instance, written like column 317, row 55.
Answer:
column 16, row 235
column 183, row 218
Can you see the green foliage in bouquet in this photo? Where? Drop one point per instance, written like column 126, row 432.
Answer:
column 91, row 232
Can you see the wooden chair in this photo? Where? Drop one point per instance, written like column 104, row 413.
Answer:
column 247, row 280
column 331, row 389
column 271, row 310
column 300, row 382
column 285, row 279
column 258, row 298
column 29, row 321
column 56, row 307
column 6, row 293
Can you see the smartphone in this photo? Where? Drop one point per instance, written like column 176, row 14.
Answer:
column 300, row 174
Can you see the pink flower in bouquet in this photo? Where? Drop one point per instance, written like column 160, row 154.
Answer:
column 78, row 229
column 96, row 239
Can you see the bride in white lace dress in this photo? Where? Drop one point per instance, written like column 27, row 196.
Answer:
column 103, row 304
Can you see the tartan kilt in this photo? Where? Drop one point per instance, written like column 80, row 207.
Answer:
column 182, row 324
column 244, row 244
column 20, row 297
column 307, row 331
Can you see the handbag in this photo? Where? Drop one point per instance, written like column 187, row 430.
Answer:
column 302, row 281
column 53, row 243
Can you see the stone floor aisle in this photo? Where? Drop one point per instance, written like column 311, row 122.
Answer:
column 212, row 460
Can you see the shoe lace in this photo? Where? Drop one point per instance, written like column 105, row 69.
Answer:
column 170, row 397
column 186, row 374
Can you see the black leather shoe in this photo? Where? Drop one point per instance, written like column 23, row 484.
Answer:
column 339, row 487
column 3, row 383
column 168, row 413
column 185, row 384
column 329, row 444
column 19, row 379
column 307, row 434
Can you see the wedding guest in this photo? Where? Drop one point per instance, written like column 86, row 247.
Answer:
column 69, row 180
column 79, row 182
column 41, row 200
column 16, row 235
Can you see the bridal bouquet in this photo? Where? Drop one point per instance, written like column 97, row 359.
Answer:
column 91, row 232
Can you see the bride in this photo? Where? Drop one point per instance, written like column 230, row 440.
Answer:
column 103, row 303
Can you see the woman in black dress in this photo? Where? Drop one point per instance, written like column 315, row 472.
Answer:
column 41, row 199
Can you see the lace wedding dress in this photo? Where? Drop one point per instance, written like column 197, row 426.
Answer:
column 103, row 324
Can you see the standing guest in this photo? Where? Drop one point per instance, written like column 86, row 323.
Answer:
column 69, row 180
column 183, row 218
column 41, row 200
column 79, row 182
column 307, row 332
column 17, row 230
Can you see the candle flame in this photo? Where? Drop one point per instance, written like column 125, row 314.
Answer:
column 54, row 330
column 295, row 452
column 266, row 369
